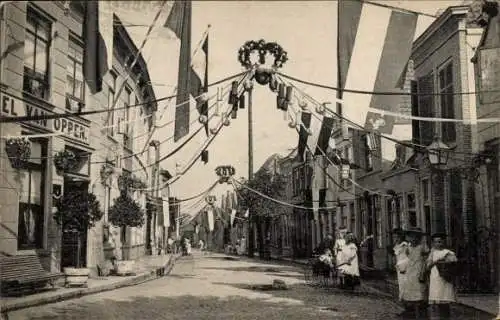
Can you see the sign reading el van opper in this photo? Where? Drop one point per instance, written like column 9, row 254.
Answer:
column 14, row 107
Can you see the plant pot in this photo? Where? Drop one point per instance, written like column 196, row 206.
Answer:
column 125, row 268
column 76, row 277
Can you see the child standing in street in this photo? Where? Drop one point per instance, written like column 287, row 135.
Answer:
column 441, row 263
column 401, row 254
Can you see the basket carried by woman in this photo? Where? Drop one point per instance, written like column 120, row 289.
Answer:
column 448, row 270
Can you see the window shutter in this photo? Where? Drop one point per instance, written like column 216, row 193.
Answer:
column 426, row 107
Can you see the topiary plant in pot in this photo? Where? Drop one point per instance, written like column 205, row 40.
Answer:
column 125, row 212
column 77, row 212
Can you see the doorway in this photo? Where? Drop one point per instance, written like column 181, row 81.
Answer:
column 71, row 240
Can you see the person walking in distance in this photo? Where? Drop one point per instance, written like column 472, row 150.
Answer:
column 441, row 264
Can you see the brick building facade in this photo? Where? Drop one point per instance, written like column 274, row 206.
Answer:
column 41, row 73
column 487, row 71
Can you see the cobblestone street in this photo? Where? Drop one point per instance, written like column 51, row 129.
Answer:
column 217, row 287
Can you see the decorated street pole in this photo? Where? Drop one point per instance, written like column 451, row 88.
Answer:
column 264, row 75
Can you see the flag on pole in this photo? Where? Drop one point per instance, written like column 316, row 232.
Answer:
column 318, row 183
column 303, row 135
column 199, row 79
column 210, row 218
column 377, row 42
column 321, row 128
column 235, row 200
column 166, row 213
column 95, row 56
column 179, row 21
column 233, row 214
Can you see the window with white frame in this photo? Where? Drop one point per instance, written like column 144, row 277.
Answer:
column 31, row 198
column 36, row 54
column 445, row 84
column 75, row 85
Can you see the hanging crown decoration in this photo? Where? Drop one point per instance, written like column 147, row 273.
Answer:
column 262, row 48
column 224, row 173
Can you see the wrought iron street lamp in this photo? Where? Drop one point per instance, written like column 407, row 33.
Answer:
column 438, row 152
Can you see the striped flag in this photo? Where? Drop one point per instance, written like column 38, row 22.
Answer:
column 303, row 135
column 318, row 184
column 233, row 215
column 377, row 42
column 193, row 71
column 199, row 79
column 321, row 128
column 210, row 218
column 95, row 61
column 179, row 21
column 166, row 213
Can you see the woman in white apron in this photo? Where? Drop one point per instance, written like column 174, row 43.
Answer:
column 348, row 266
column 401, row 254
column 441, row 288
column 413, row 290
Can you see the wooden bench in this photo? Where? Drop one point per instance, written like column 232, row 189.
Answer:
column 23, row 273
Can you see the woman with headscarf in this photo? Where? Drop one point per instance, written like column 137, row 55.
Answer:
column 413, row 293
column 441, row 263
column 400, row 253
column 348, row 266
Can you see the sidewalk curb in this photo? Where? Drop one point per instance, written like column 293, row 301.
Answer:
column 135, row 280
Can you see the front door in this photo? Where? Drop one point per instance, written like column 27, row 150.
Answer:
column 73, row 243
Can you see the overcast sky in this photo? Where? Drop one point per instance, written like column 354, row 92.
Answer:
column 306, row 29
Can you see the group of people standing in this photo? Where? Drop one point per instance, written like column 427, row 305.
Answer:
column 425, row 277
column 340, row 256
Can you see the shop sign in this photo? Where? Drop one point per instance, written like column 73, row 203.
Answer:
column 13, row 107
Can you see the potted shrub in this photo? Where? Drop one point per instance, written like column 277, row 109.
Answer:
column 125, row 212
column 65, row 161
column 19, row 151
column 77, row 212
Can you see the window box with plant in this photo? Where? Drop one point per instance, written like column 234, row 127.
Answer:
column 65, row 161
column 77, row 212
column 18, row 151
